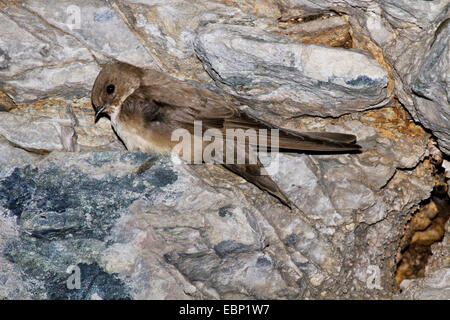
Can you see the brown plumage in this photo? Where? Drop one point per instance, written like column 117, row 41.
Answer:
column 146, row 106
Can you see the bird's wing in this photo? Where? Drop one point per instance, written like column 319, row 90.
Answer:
column 291, row 140
column 188, row 102
column 184, row 103
column 138, row 106
column 252, row 173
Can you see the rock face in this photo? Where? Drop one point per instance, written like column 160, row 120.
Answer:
column 299, row 79
column 151, row 237
column 53, row 50
column 432, row 88
column 74, row 202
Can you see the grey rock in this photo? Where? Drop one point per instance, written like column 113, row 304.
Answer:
column 13, row 156
column 68, row 126
column 100, row 28
column 432, row 88
column 434, row 287
column 13, row 286
column 168, row 28
column 296, row 79
column 446, row 167
column 55, row 52
column 70, row 81
column 39, row 135
column 151, row 236
column 414, row 39
column 38, row 60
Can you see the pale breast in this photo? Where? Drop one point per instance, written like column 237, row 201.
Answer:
column 137, row 138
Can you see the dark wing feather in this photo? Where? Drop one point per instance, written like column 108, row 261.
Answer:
column 300, row 141
column 195, row 102
column 138, row 106
column 251, row 173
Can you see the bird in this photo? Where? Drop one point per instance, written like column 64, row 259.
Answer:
column 146, row 106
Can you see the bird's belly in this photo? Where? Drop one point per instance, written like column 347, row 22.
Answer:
column 134, row 140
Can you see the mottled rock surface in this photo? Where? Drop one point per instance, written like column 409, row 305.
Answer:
column 138, row 226
column 155, row 238
column 294, row 78
column 54, row 51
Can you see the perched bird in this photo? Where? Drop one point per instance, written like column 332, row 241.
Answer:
column 145, row 106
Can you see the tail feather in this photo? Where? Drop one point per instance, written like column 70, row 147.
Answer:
column 332, row 137
column 291, row 140
column 317, row 141
column 252, row 173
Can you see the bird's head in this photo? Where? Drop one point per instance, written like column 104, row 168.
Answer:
column 114, row 83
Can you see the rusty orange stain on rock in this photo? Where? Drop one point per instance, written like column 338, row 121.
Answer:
column 426, row 227
column 391, row 119
column 330, row 35
column 6, row 103
column 42, row 103
column 336, row 37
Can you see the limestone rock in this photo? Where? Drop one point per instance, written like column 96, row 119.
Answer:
column 296, row 79
column 432, row 88
column 55, row 52
column 38, row 60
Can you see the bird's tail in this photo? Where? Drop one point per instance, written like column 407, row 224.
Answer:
column 288, row 140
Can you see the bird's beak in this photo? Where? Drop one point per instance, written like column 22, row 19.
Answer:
column 98, row 111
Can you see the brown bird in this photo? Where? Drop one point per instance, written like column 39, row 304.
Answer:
column 145, row 106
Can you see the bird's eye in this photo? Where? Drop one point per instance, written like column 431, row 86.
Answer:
column 110, row 89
